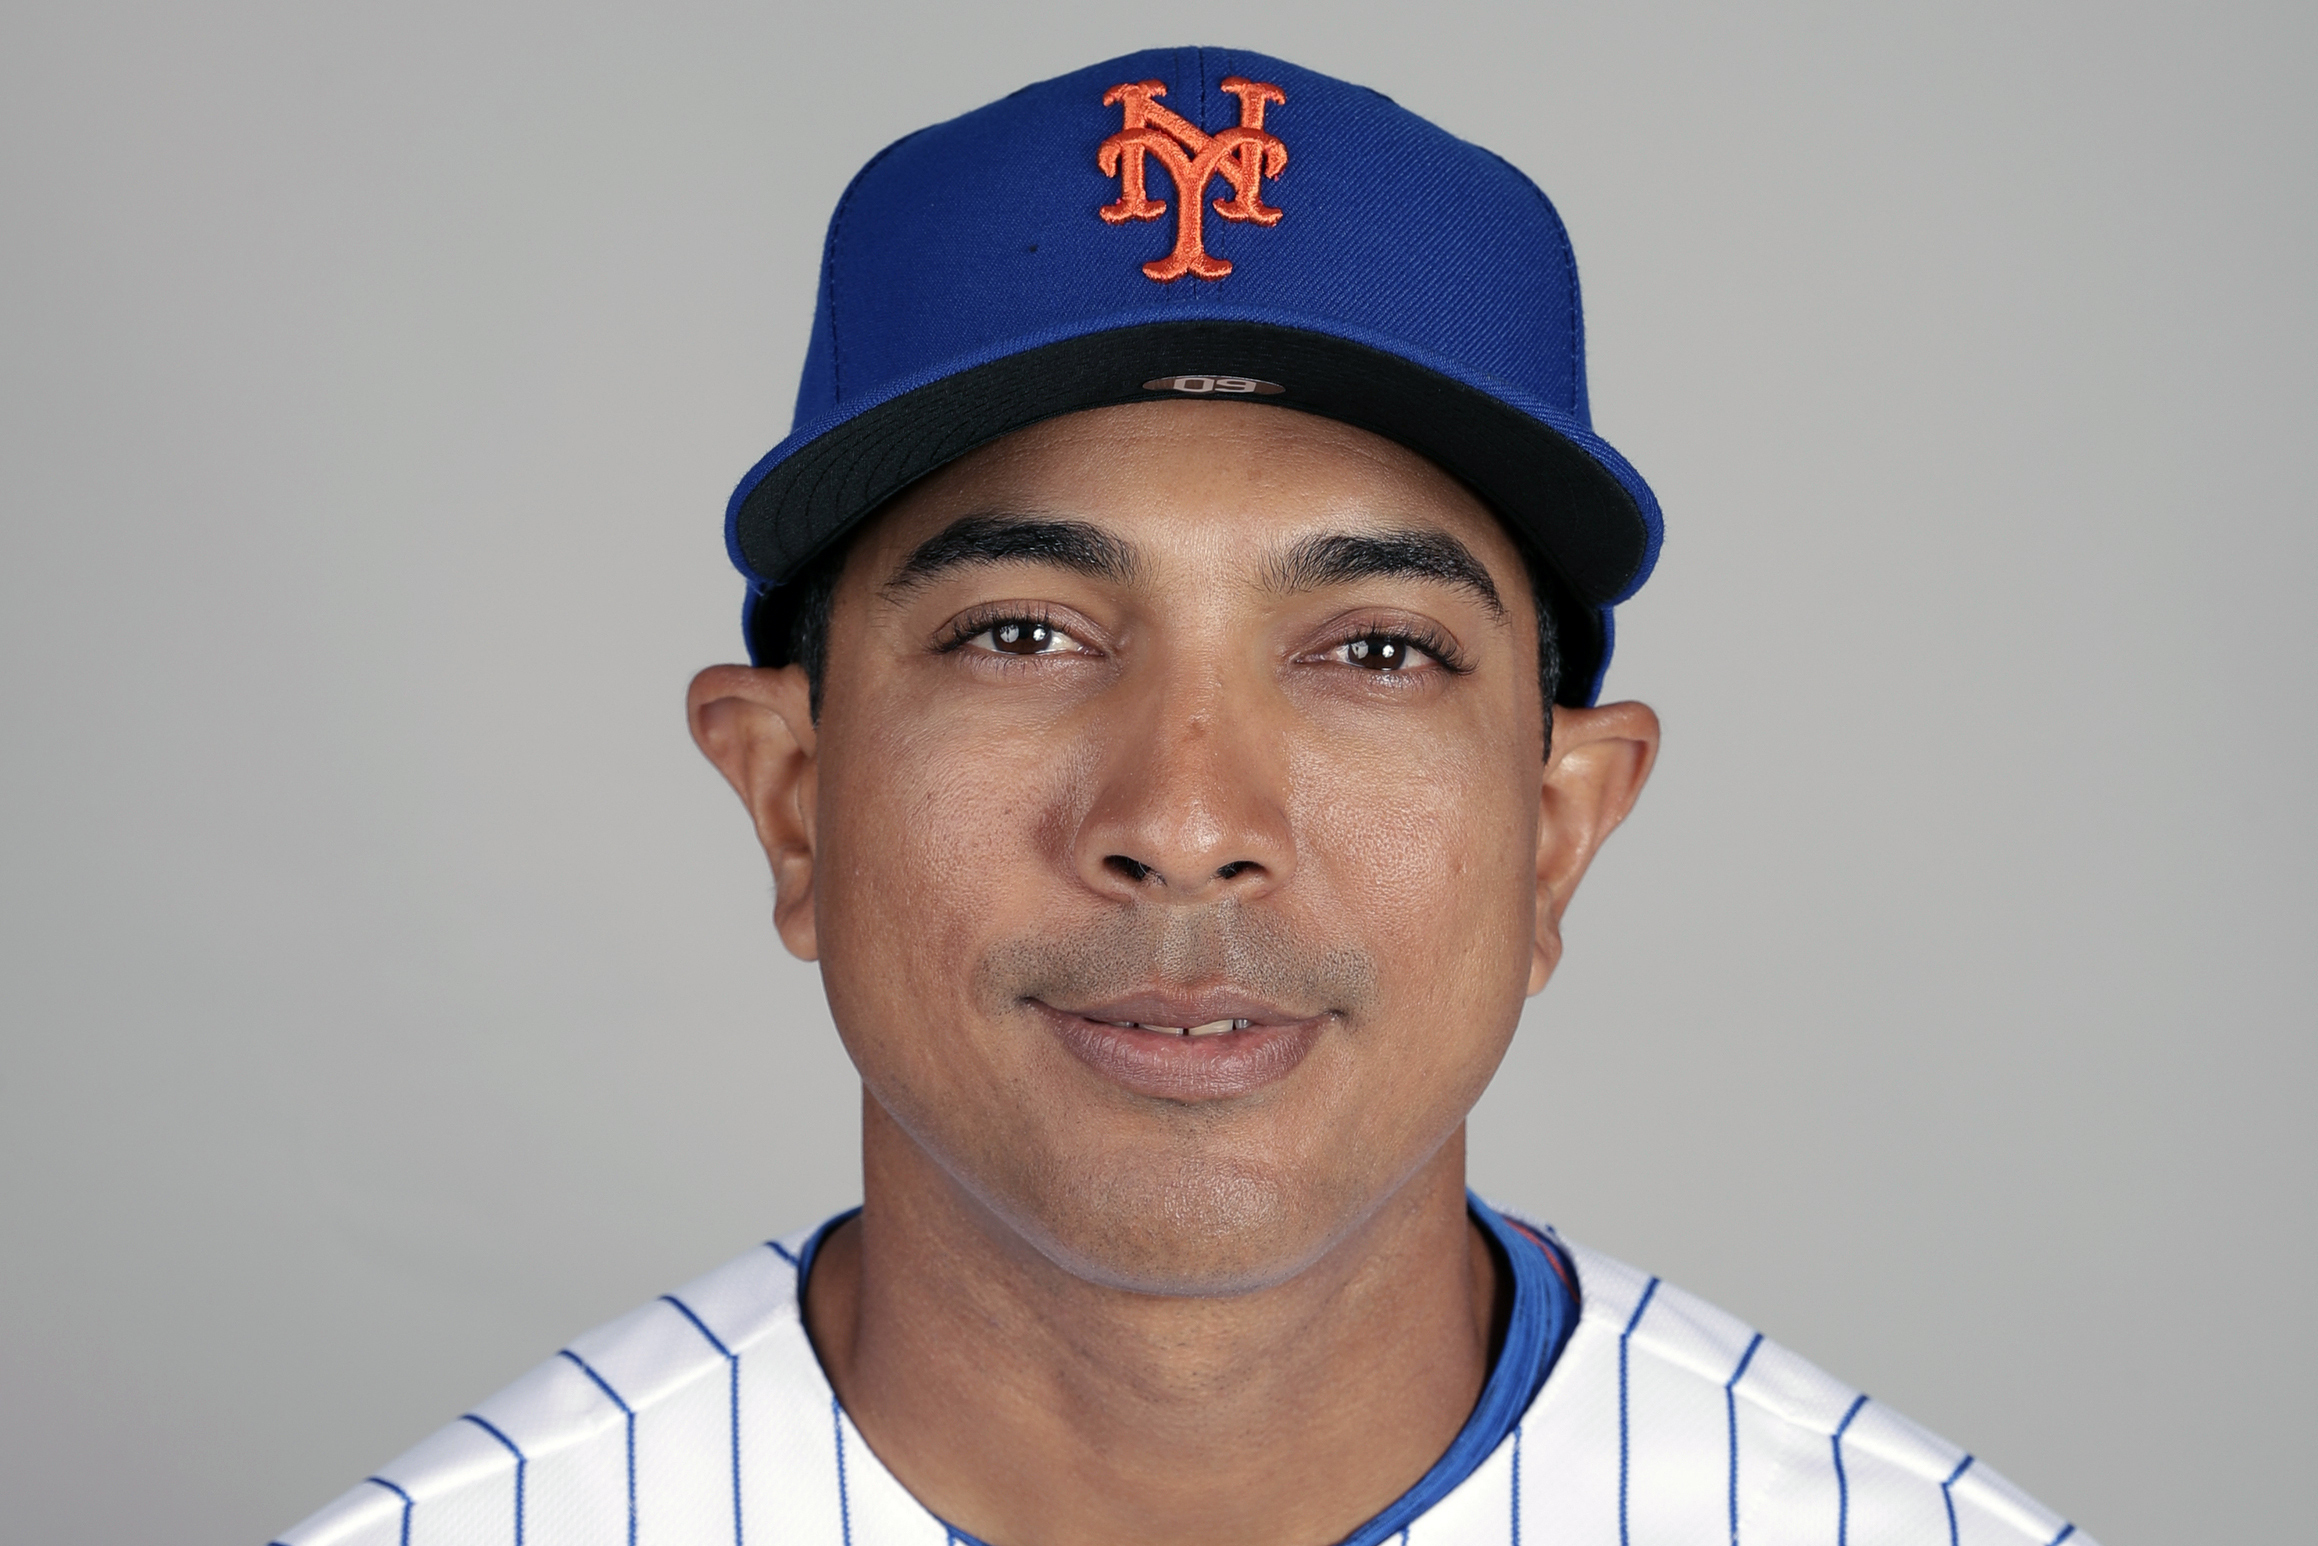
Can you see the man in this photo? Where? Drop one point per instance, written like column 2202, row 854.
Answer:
column 1179, row 616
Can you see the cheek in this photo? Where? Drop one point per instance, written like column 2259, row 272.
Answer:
column 933, row 843
column 1429, row 846
column 1424, row 849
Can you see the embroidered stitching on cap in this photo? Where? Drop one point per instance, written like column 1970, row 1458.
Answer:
column 1243, row 157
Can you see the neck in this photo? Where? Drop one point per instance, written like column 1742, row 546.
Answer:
column 1030, row 1407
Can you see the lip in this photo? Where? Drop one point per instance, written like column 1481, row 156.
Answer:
column 1265, row 1043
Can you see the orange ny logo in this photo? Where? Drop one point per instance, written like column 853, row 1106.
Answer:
column 1242, row 157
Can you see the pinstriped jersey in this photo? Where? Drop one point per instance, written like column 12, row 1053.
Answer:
column 704, row 1419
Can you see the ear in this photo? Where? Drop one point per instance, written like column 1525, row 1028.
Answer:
column 756, row 725
column 1601, row 759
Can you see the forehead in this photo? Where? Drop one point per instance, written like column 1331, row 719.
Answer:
column 1177, row 479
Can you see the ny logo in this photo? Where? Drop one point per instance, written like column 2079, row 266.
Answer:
column 1242, row 157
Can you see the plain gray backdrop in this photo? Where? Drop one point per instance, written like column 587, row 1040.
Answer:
column 389, row 991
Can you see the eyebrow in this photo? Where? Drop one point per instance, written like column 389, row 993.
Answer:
column 1414, row 554
column 977, row 540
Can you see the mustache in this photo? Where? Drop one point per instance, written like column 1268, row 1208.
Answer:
column 1179, row 948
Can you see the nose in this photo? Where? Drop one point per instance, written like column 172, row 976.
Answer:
column 1189, row 806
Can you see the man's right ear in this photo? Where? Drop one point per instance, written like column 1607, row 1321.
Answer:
column 756, row 725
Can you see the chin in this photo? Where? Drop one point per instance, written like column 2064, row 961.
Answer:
column 1188, row 1229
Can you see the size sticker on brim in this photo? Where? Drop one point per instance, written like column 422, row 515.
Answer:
column 1220, row 386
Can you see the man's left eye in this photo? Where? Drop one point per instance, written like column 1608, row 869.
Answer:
column 1382, row 652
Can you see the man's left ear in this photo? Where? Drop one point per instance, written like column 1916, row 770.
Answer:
column 1601, row 759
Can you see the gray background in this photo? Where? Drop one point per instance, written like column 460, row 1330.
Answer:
column 388, row 988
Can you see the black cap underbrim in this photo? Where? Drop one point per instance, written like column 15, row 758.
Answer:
column 1589, row 531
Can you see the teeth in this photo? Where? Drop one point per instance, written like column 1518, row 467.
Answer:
column 1211, row 1028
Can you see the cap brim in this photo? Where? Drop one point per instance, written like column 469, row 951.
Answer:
column 1571, row 498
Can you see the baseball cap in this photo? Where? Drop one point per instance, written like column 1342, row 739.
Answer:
column 1210, row 223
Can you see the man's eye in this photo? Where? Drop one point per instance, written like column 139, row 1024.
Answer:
column 1021, row 636
column 1382, row 652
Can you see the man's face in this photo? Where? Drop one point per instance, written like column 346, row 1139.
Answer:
column 1178, row 715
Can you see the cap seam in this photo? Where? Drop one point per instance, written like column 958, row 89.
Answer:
column 1569, row 264
column 836, row 234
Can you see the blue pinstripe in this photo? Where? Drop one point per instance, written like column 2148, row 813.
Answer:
column 2065, row 1532
column 1625, row 1444
column 407, row 1505
column 1948, row 1496
column 1842, row 1482
column 782, row 1252
column 1730, row 1414
column 627, row 1412
column 521, row 1463
column 1516, row 1489
column 732, row 1376
column 844, row 1497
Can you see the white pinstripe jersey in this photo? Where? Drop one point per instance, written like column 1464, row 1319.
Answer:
column 703, row 1419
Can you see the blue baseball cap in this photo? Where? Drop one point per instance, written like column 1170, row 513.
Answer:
column 1200, row 222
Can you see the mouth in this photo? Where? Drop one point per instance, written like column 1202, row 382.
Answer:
column 1211, row 1028
column 1196, row 1048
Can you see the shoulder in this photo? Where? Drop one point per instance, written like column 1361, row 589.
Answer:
column 1668, row 1419
column 573, row 1421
